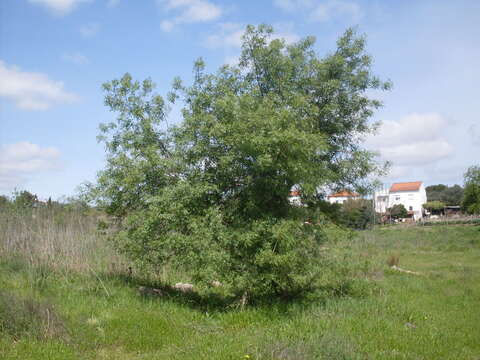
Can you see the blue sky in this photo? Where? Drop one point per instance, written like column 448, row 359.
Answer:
column 55, row 54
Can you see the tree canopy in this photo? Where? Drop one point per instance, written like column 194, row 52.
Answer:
column 449, row 195
column 434, row 206
column 210, row 194
column 471, row 199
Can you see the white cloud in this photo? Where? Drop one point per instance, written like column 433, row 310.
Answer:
column 189, row 11
column 21, row 161
column 323, row 11
column 411, row 128
column 229, row 35
column 290, row 5
column 59, row 7
column 89, row 30
column 414, row 140
column 417, row 153
column 329, row 10
column 76, row 58
column 113, row 3
column 30, row 90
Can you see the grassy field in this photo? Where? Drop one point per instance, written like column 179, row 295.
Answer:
column 81, row 311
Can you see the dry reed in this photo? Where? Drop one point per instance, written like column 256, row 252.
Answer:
column 57, row 237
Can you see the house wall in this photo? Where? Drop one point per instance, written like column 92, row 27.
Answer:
column 412, row 200
column 381, row 198
column 340, row 199
column 295, row 200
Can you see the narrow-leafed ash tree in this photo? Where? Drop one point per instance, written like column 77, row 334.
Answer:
column 208, row 196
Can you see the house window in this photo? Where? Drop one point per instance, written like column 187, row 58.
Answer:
column 410, row 208
column 397, row 198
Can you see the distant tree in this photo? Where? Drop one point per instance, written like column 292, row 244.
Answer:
column 4, row 201
column 471, row 199
column 450, row 195
column 332, row 211
column 398, row 211
column 472, row 175
column 357, row 214
column 434, row 206
column 25, row 199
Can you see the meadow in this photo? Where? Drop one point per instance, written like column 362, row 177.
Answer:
column 66, row 294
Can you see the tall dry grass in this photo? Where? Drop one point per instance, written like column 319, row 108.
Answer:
column 58, row 237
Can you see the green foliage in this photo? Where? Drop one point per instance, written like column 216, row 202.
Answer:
column 332, row 211
column 472, row 175
column 449, row 195
column 434, row 206
column 210, row 195
column 4, row 201
column 471, row 199
column 398, row 211
column 357, row 214
column 25, row 199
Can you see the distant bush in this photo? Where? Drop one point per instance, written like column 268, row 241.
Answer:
column 25, row 199
column 434, row 206
column 398, row 211
column 357, row 214
column 471, row 196
column 4, row 201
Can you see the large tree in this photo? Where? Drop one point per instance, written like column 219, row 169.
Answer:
column 471, row 199
column 209, row 195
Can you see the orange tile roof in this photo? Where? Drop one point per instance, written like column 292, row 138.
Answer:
column 406, row 186
column 344, row 193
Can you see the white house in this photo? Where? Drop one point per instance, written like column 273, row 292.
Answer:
column 381, row 200
column 341, row 197
column 294, row 198
column 412, row 195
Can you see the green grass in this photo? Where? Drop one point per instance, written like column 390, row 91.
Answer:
column 390, row 315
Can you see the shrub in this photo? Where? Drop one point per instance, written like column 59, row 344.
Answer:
column 209, row 197
column 265, row 256
column 398, row 211
column 358, row 214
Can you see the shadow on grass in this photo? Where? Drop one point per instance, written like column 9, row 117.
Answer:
column 214, row 302
column 41, row 277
